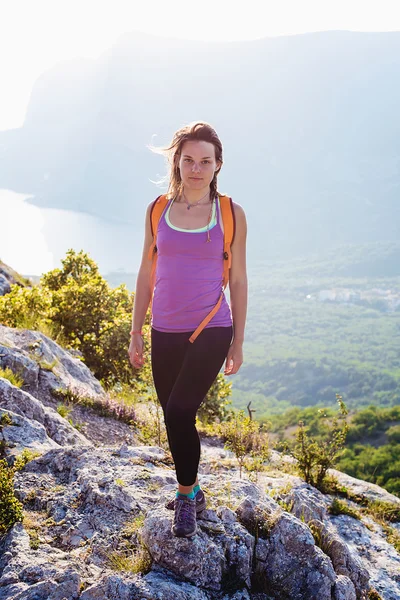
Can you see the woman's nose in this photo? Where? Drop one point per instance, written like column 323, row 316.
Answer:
column 195, row 167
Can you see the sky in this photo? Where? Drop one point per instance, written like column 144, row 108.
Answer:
column 36, row 34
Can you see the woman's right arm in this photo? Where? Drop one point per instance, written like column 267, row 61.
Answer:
column 143, row 283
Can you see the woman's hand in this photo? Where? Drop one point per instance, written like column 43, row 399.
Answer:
column 136, row 351
column 234, row 358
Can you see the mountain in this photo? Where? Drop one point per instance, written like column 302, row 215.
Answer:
column 309, row 123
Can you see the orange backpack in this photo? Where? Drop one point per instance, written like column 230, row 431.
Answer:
column 228, row 218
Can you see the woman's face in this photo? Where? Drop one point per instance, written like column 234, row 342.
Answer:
column 197, row 164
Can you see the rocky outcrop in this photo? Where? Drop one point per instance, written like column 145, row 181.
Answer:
column 33, row 425
column 95, row 524
column 46, row 367
column 8, row 277
column 89, row 498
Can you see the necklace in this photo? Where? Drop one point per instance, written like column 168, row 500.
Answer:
column 209, row 216
column 189, row 205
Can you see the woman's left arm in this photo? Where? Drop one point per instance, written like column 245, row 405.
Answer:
column 238, row 291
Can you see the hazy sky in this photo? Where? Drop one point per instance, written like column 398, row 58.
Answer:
column 36, row 34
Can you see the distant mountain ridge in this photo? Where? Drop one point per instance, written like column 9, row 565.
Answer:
column 310, row 127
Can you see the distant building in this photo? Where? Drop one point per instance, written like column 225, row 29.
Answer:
column 326, row 295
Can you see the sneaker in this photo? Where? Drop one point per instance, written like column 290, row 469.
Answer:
column 184, row 524
column 200, row 502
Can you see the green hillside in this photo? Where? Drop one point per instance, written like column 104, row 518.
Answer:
column 372, row 450
column 316, row 327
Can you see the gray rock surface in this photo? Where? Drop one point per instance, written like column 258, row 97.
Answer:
column 45, row 367
column 8, row 277
column 22, row 350
column 35, row 426
column 96, row 527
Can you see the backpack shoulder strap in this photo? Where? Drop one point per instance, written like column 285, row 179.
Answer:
column 156, row 211
column 228, row 217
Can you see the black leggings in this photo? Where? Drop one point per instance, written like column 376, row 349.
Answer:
column 183, row 372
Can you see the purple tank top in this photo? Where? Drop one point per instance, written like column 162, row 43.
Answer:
column 189, row 278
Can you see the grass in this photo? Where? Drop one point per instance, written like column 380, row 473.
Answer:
column 339, row 507
column 383, row 512
column 131, row 560
column 373, row 595
column 12, row 377
column 133, row 556
column 104, row 407
column 33, row 522
column 278, row 493
column 63, row 410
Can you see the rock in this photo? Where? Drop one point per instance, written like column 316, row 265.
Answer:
column 23, row 433
column 364, row 488
column 85, row 504
column 22, row 350
column 111, row 587
column 204, row 560
column 42, row 573
column 344, row 562
column 344, row 589
column 160, row 584
column 8, row 277
column 307, row 502
column 376, row 554
column 288, row 563
column 36, row 427
column 45, row 368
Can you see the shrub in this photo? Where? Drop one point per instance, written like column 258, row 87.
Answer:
column 258, row 454
column 78, row 309
column 152, row 430
column 315, row 457
column 25, row 457
column 393, row 434
column 241, row 435
column 10, row 507
column 373, row 595
column 215, row 405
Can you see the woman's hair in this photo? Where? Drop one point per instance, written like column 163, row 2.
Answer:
column 195, row 131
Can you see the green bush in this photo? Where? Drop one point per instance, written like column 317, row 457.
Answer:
column 393, row 434
column 10, row 507
column 315, row 456
column 25, row 307
column 78, row 309
column 377, row 465
column 241, row 435
column 215, row 405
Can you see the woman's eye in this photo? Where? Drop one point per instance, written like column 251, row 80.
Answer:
column 206, row 161
column 187, row 159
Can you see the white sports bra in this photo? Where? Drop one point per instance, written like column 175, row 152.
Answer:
column 213, row 221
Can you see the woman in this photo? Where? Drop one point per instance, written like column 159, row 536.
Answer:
column 188, row 283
